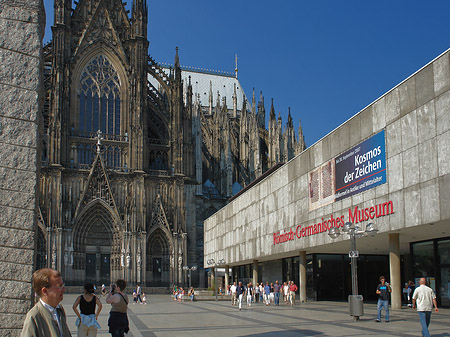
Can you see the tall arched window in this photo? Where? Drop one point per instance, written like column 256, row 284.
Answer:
column 100, row 109
column 99, row 98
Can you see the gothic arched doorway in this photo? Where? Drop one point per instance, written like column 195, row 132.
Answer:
column 158, row 260
column 95, row 242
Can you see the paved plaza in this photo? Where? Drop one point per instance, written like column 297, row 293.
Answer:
column 162, row 316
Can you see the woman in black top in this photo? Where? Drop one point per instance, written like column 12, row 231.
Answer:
column 87, row 317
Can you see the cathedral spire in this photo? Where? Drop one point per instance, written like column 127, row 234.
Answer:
column 234, row 102
column 272, row 111
column 210, row 98
column 290, row 122
column 139, row 16
column 177, row 66
column 253, row 102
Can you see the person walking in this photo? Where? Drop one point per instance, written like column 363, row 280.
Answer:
column 138, row 293
column 405, row 294
column 87, row 317
column 249, row 294
column 423, row 300
column 383, row 291
column 233, row 293
column 411, row 288
column 257, row 293
column 285, row 293
column 118, row 318
column 276, row 292
column 47, row 318
column 292, row 290
column 267, row 293
column 240, row 290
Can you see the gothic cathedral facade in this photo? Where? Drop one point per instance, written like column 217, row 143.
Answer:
column 135, row 155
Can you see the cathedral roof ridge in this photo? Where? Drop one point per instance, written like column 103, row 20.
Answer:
column 199, row 70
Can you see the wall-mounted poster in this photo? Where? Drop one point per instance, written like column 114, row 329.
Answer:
column 358, row 169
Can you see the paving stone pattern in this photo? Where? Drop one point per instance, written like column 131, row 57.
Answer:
column 163, row 317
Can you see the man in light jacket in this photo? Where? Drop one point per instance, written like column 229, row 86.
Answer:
column 47, row 318
column 424, row 299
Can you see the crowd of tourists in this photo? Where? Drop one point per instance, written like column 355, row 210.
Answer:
column 48, row 318
column 268, row 294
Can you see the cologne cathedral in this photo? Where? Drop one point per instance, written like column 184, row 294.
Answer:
column 136, row 154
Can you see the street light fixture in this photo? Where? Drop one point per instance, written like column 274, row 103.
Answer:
column 193, row 268
column 355, row 300
column 213, row 263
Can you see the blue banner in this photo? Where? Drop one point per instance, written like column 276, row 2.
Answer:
column 361, row 168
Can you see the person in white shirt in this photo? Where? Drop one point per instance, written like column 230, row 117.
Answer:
column 286, row 293
column 424, row 299
column 233, row 293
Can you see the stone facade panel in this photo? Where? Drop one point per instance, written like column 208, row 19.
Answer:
column 392, row 106
column 15, row 238
column 409, row 131
column 17, row 180
column 443, row 146
column 16, row 255
column 444, row 196
column 443, row 112
column 17, row 132
column 410, row 167
column 23, row 37
column 426, row 118
column 355, row 130
column 424, row 85
column 366, row 122
column 429, row 198
column 379, row 115
column 428, row 162
column 25, row 200
column 407, row 95
column 395, row 173
column 23, row 70
column 21, row 290
column 393, row 139
column 9, row 98
column 17, row 218
column 413, row 206
column 16, row 271
column 441, row 72
column 396, row 220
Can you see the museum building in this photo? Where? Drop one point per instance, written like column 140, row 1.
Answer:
column 387, row 166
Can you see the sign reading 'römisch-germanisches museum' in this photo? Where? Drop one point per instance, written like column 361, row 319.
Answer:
column 357, row 170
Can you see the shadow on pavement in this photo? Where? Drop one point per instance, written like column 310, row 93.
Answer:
column 288, row 333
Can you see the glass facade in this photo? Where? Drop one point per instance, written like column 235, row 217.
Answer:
column 328, row 276
column 431, row 259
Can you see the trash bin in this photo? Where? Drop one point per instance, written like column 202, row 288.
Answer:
column 356, row 305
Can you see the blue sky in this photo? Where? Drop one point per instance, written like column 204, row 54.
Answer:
column 325, row 59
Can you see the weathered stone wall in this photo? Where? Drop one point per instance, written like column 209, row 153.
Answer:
column 415, row 116
column 22, row 24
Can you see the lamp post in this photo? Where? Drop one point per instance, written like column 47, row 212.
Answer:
column 193, row 268
column 213, row 263
column 355, row 301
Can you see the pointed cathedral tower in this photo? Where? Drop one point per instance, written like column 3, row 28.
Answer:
column 135, row 155
column 99, row 70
